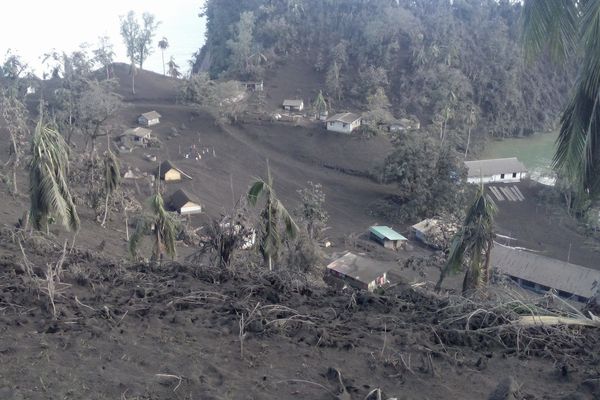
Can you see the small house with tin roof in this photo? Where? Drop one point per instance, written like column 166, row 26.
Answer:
column 343, row 122
column 135, row 137
column 387, row 237
column 168, row 172
column 359, row 272
column 293, row 105
column 149, row 118
column 498, row 170
column 184, row 203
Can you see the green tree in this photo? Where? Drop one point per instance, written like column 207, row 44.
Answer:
column 163, row 44
column 159, row 224
column 570, row 30
column 474, row 243
column 112, row 177
column 48, row 176
column 273, row 214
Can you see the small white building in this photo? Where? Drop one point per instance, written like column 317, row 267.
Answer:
column 359, row 272
column 499, row 170
column 293, row 105
column 184, row 204
column 344, row 122
column 149, row 118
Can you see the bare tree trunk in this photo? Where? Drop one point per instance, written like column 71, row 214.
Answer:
column 105, row 208
column 163, row 61
column 468, row 142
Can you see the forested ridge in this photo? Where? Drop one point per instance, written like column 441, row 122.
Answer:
column 453, row 64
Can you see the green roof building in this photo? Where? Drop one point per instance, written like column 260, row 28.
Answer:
column 387, row 237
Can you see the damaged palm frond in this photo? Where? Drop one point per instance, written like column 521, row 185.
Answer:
column 112, row 179
column 570, row 31
column 48, row 176
column 161, row 225
column 473, row 242
column 273, row 214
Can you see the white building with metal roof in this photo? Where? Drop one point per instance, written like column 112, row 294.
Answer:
column 343, row 122
column 293, row 105
column 500, row 170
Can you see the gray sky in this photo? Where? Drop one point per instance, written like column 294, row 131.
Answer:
column 33, row 27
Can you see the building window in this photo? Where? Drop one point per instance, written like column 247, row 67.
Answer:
column 501, row 176
column 514, row 174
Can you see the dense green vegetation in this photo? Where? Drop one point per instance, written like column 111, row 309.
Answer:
column 454, row 65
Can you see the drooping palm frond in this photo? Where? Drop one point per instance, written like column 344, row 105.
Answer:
column 143, row 227
column 474, row 240
column 273, row 213
column 550, row 25
column 112, row 173
column 571, row 28
column 112, row 179
column 48, row 171
column 577, row 155
column 159, row 224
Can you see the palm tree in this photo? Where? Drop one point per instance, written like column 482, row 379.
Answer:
column 272, row 214
column 48, row 171
column 112, row 177
column 571, row 29
column 163, row 44
column 159, row 224
column 475, row 240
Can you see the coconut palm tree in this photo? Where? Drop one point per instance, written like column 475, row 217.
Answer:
column 570, row 30
column 273, row 213
column 48, row 171
column 112, row 177
column 159, row 224
column 163, row 44
column 473, row 243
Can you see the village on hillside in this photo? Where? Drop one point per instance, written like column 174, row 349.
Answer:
column 341, row 199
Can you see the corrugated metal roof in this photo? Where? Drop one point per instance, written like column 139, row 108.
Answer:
column 151, row 115
column 293, row 103
column 139, row 132
column 385, row 232
column 545, row 271
column 494, row 167
column 360, row 268
column 346, row 118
